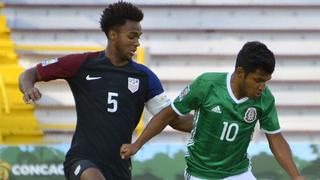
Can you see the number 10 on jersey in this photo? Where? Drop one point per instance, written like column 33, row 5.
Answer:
column 229, row 132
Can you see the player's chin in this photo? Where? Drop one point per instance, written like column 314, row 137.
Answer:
column 129, row 55
column 126, row 57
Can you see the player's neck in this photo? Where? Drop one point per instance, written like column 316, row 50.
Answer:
column 115, row 58
column 235, row 87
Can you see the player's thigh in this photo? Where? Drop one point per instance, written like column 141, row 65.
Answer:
column 92, row 173
column 84, row 170
column 244, row 176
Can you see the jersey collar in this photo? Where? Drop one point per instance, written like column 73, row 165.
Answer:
column 104, row 55
column 233, row 97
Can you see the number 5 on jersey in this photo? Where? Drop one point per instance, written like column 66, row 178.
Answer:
column 112, row 102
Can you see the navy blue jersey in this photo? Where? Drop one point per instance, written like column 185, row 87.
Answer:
column 109, row 102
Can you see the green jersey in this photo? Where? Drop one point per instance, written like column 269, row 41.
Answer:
column 223, row 125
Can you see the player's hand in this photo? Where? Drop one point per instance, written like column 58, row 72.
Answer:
column 127, row 150
column 31, row 95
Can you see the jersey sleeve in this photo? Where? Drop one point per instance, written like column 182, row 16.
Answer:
column 60, row 68
column 191, row 97
column 156, row 98
column 157, row 103
column 269, row 122
column 154, row 85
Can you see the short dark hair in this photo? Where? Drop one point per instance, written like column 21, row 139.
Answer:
column 256, row 55
column 116, row 15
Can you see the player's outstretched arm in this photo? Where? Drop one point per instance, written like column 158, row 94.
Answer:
column 27, row 79
column 283, row 155
column 154, row 127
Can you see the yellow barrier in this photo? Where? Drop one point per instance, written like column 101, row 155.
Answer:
column 17, row 123
column 3, row 25
column 8, row 57
column 67, row 127
column 6, row 44
column 140, row 59
column 4, row 96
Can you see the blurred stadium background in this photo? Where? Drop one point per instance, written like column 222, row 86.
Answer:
column 181, row 40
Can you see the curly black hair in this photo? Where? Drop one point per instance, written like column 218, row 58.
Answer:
column 116, row 15
column 256, row 55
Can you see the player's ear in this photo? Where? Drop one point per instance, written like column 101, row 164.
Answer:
column 112, row 34
column 240, row 73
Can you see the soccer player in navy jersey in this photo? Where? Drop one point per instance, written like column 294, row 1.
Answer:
column 110, row 92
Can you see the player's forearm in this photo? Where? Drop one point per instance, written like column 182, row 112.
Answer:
column 286, row 161
column 283, row 155
column 27, row 79
column 156, row 125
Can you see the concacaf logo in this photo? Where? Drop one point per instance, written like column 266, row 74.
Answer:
column 49, row 61
column 4, row 170
column 184, row 92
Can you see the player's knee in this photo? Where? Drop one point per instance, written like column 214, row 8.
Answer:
column 92, row 174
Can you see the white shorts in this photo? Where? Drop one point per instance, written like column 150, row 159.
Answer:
column 244, row 176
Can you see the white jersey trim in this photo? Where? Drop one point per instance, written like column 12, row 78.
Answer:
column 243, row 176
column 231, row 93
column 157, row 103
column 271, row 132
column 176, row 110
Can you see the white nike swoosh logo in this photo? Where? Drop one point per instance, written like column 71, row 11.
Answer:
column 92, row 78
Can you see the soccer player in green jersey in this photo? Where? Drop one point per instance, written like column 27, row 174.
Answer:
column 227, row 107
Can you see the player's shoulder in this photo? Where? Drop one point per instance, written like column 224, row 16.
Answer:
column 267, row 95
column 210, row 79
column 81, row 56
column 142, row 68
column 212, row 76
column 155, row 85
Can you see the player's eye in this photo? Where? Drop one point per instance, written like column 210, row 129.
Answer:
column 131, row 37
column 258, row 80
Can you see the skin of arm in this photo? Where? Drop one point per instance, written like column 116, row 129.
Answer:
column 27, row 79
column 183, row 123
column 283, row 155
column 154, row 127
